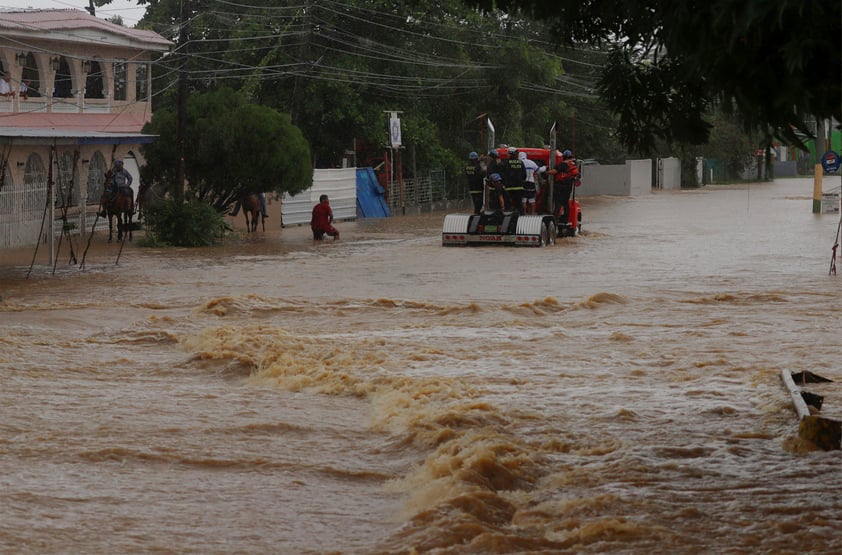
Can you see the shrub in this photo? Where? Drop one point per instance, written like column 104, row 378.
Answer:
column 188, row 224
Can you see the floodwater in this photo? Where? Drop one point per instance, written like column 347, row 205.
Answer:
column 618, row 392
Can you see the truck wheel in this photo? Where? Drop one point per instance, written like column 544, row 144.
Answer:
column 545, row 236
column 552, row 232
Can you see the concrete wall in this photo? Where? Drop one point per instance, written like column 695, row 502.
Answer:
column 639, row 176
column 632, row 178
column 603, row 180
column 669, row 173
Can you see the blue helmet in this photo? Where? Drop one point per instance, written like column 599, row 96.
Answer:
column 473, row 156
column 567, row 154
column 496, row 177
column 493, row 153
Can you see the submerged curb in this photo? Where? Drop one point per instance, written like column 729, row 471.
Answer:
column 824, row 432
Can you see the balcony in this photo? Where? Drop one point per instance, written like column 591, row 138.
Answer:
column 77, row 104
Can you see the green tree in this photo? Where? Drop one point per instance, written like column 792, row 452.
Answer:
column 337, row 66
column 233, row 147
column 729, row 144
column 774, row 64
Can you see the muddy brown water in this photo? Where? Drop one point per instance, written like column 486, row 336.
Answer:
column 619, row 392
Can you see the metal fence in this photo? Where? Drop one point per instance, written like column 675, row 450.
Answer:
column 418, row 191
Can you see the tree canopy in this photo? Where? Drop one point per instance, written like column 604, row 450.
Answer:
column 336, row 66
column 776, row 65
column 235, row 147
column 646, row 73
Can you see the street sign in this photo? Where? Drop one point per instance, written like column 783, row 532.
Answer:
column 395, row 130
column 830, row 161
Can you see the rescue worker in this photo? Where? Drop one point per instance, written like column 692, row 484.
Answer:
column 492, row 164
column 530, row 189
column 514, row 174
column 565, row 174
column 475, row 174
column 498, row 198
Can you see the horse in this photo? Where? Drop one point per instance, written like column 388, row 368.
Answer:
column 250, row 205
column 140, row 202
column 117, row 205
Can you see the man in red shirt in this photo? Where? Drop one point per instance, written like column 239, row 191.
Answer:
column 322, row 219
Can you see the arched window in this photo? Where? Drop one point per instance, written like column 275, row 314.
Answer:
column 7, row 193
column 30, row 76
column 96, row 178
column 35, row 188
column 64, row 84
column 67, row 183
column 94, row 84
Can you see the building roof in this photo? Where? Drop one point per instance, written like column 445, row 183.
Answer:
column 23, row 135
column 120, row 122
column 77, row 26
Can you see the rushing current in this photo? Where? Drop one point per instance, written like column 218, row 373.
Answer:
column 619, row 392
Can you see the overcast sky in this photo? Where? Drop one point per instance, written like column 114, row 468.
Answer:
column 127, row 9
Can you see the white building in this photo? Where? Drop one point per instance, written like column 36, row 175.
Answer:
column 81, row 96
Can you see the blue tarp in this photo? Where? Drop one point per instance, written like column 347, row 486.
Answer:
column 370, row 200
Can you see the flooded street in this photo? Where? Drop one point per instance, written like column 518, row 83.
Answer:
column 618, row 392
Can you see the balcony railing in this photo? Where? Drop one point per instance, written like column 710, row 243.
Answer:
column 70, row 105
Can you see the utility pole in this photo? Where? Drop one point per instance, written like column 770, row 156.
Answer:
column 183, row 46
column 304, row 65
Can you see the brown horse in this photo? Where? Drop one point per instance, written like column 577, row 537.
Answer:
column 250, row 205
column 143, row 194
column 116, row 204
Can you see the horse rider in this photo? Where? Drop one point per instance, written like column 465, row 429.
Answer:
column 118, row 181
column 121, row 180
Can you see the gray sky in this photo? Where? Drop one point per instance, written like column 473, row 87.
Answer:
column 127, row 9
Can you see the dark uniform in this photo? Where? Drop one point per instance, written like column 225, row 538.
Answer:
column 495, row 166
column 475, row 174
column 514, row 176
column 498, row 191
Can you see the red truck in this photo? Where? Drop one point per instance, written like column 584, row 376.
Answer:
column 513, row 228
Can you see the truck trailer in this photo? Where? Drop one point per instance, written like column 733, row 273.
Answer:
column 501, row 227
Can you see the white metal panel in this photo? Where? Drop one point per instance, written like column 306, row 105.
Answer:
column 456, row 223
column 340, row 185
column 529, row 225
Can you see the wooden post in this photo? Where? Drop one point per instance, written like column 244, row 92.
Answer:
column 818, row 171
